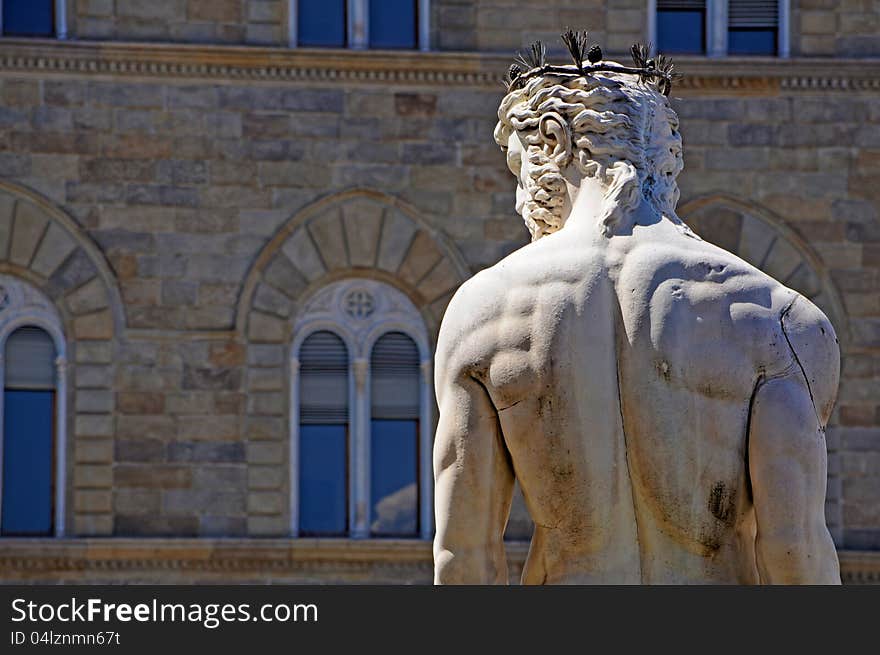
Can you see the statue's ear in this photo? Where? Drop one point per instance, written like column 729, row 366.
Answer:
column 555, row 136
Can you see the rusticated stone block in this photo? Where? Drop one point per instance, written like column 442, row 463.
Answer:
column 88, row 298
column 92, row 500
column 176, row 502
column 92, row 525
column 263, row 328
column 131, row 426
column 140, row 402
column 152, row 475
column 140, row 450
column 260, row 428
column 265, row 502
column 211, row 379
column 92, row 451
column 226, row 354
column 27, row 231
column 208, row 428
column 155, row 526
column 137, row 502
column 93, row 376
column 94, row 400
column 267, row 477
column 92, row 476
column 203, row 452
column 98, row 326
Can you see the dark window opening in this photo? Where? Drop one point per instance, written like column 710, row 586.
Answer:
column 681, row 31
column 321, row 23
column 28, row 435
column 751, row 41
column 393, row 24
column 323, row 436
column 29, row 18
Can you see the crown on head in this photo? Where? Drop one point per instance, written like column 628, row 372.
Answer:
column 532, row 62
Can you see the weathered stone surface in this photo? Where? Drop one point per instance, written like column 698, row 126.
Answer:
column 263, row 328
column 265, row 355
column 92, row 451
column 94, row 401
column 140, row 450
column 421, row 257
column 363, row 223
column 329, row 239
column 201, row 451
column 28, row 228
column 284, row 276
column 151, row 476
column 98, row 325
column 140, row 402
column 214, row 379
column 397, row 236
column 88, row 298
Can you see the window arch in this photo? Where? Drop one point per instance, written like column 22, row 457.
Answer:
column 33, row 413
column 387, row 420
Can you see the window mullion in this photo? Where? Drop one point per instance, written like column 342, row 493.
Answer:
column 358, row 24
column 783, row 34
column 293, row 464
column 426, row 473
column 360, row 445
column 716, row 28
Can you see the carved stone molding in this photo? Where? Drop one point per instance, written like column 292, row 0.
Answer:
column 293, row 560
column 729, row 74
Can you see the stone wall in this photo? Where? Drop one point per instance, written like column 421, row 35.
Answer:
column 208, row 202
column 255, row 22
column 847, row 28
column 841, row 28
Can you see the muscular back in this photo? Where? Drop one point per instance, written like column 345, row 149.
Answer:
column 617, row 380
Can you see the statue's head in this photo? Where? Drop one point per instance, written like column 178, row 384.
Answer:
column 560, row 126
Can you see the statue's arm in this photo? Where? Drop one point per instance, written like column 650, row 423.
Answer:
column 473, row 484
column 787, row 465
column 788, row 454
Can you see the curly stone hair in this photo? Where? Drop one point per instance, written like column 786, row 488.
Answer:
column 610, row 122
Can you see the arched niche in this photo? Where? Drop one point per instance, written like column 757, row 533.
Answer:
column 360, row 233
column 41, row 244
column 762, row 239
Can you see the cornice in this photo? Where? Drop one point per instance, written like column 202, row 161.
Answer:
column 56, row 559
column 754, row 75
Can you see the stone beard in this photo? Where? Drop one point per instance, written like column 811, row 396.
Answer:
column 607, row 124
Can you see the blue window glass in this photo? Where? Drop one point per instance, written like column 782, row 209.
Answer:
column 393, row 24
column 394, row 436
column 321, row 23
column 681, row 31
column 28, row 434
column 323, row 436
column 755, row 41
column 393, row 482
column 28, row 17
column 322, row 503
column 27, row 462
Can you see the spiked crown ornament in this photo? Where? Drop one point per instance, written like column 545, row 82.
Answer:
column 532, row 62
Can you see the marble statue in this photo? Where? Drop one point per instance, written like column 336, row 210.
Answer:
column 661, row 402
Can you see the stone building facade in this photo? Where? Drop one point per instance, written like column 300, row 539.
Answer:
column 177, row 184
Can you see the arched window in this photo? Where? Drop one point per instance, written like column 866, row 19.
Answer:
column 28, row 434
column 394, row 436
column 323, row 435
column 32, row 413
column 360, row 443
